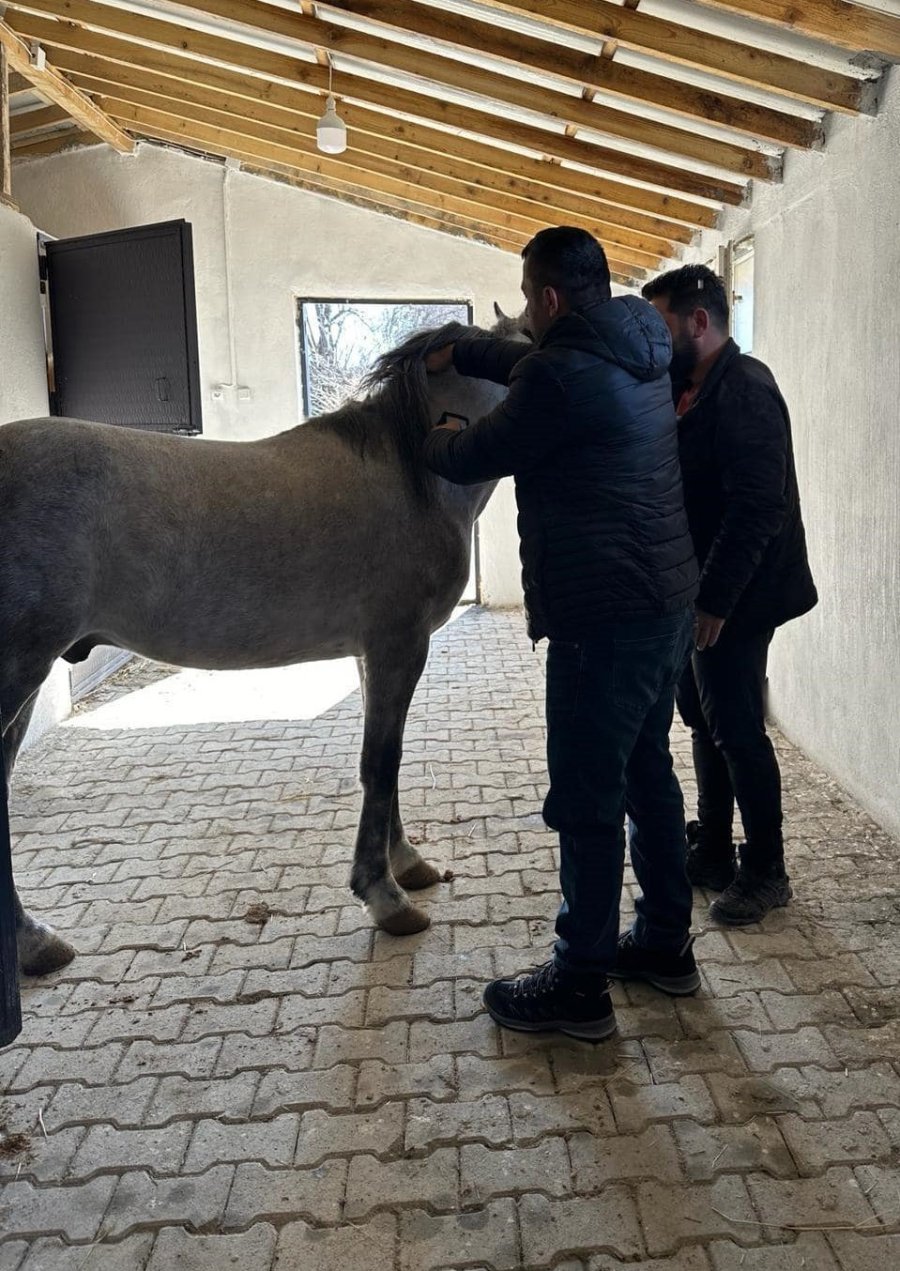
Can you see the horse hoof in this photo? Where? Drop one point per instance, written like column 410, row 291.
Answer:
column 48, row 953
column 405, row 922
column 418, row 876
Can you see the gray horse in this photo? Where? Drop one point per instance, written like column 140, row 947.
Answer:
column 325, row 541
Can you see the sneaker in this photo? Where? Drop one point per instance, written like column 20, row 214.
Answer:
column 710, row 862
column 750, row 897
column 674, row 973
column 549, row 1001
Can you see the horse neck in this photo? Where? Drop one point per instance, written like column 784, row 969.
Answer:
column 473, row 398
column 463, row 503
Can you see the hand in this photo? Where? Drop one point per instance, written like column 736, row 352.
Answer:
column 707, row 629
column 439, row 360
column 453, row 423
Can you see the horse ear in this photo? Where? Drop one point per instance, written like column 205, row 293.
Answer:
column 498, row 312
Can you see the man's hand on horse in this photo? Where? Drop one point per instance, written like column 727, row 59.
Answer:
column 454, row 423
column 707, row 629
column 439, row 360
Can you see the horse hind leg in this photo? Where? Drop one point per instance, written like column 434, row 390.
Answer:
column 40, row 949
column 389, row 680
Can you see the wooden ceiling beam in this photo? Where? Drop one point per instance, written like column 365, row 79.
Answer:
column 532, row 178
column 380, row 174
column 173, row 58
column 495, row 188
column 68, row 140
column 56, row 89
column 5, row 131
column 655, row 172
column 346, row 192
column 511, row 49
column 552, row 59
column 742, row 160
column 40, row 117
column 684, row 45
column 525, row 217
column 849, row 26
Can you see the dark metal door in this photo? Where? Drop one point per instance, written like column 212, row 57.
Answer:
column 124, row 328
column 123, row 347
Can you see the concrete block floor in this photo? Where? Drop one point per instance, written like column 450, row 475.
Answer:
column 200, row 1089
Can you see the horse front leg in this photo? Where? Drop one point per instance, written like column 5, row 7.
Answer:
column 389, row 680
column 40, row 950
column 409, row 868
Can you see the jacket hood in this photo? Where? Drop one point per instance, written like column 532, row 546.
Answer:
column 626, row 330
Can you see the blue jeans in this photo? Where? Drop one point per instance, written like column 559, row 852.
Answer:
column 610, row 701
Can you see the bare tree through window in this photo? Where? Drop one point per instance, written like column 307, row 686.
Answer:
column 340, row 339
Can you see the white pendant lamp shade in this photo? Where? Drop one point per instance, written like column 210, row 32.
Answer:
column 331, row 131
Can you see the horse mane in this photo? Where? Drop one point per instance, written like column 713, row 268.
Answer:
column 395, row 410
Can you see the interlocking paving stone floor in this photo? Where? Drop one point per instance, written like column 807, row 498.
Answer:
column 200, row 1091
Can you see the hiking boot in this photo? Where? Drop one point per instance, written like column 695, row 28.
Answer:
column 710, row 860
column 550, row 1001
column 674, row 973
column 750, row 897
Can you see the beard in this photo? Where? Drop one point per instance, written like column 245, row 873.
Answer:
column 684, row 359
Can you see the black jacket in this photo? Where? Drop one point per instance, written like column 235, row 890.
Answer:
column 743, row 504
column 588, row 430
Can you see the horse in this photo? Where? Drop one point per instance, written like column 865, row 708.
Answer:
column 328, row 540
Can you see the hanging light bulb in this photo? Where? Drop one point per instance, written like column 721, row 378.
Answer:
column 331, row 131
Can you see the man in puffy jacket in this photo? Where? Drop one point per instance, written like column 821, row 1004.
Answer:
column 588, row 431
column 740, row 490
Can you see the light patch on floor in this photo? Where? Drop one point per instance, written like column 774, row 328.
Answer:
column 188, row 697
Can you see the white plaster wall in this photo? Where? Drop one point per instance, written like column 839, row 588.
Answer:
column 257, row 246
column 827, row 320
column 23, row 388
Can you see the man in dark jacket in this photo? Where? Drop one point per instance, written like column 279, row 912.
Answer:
column 740, row 490
column 588, row 430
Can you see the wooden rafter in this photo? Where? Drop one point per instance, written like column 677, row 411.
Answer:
column 657, row 172
column 849, row 26
column 480, row 185
column 522, row 215
column 349, row 193
column 421, row 147
column 632, row 29
column 740, row 160
column 365, row 170
column 181, row 50
column 40, row 117
column 53, row 87
column 5, row 135
column 31, row 147
column 551, row 59
column 641, row 179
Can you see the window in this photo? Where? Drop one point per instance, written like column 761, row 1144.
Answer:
column 340, row 339
column 742, row 294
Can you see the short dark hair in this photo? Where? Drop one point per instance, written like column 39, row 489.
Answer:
column 572, row 261
column 688, row 288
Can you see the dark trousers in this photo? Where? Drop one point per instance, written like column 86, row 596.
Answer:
column 721, row 698
column 610, row 701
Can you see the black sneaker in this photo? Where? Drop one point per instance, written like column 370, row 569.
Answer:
column 710, row 860
column 674, row 973
column 549, row 1001
column 750, row 897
